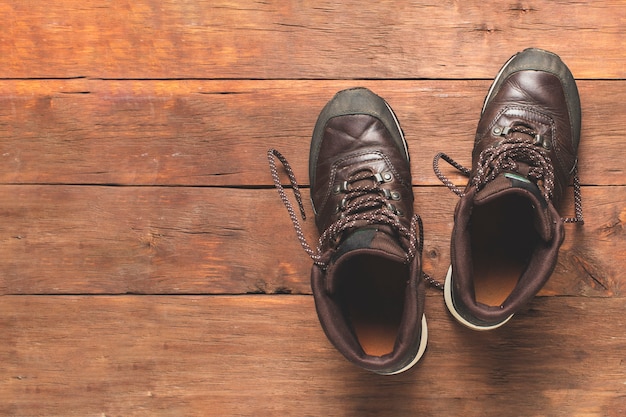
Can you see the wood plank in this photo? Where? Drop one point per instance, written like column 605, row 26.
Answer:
column 218, row 132
column 305, row 39
column 194, row 240
column 266, row 355
column 137, row 215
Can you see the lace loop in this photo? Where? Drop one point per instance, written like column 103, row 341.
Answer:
column 531, row 150
column 363, row 204
column 512, row 150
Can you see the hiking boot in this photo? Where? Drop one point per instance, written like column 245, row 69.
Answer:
column 507, row 230
column 366, row 276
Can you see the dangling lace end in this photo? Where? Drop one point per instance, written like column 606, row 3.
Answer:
column 432, row 281
column 271, row 154
column 417, row 232
column 578, row 205
column 456, row 190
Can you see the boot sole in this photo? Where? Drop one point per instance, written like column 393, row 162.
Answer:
column 420, row 350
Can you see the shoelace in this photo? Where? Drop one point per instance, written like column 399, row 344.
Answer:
column 373, row 208
column 504, row 157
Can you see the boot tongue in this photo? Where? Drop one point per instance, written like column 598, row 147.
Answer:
column 513, row 183
column 379, row 237
column 375, row 240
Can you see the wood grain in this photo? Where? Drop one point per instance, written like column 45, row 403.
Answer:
column 218, row 132
column 184, row 240
column 306, row 39
column 139, row 356
column 148, row 268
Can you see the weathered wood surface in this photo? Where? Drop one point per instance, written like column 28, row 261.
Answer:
column 218, row 132
column 267, row 356
column 305, row 39
column 136, row 208
column 181, row 240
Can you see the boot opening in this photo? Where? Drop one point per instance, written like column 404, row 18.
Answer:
column 503, row 238
column 371, row 292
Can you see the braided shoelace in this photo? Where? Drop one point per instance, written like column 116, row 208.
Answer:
column 505, row 157
column 362, row 204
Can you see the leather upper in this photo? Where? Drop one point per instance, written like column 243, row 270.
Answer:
column 535, row 99
column 353, row 144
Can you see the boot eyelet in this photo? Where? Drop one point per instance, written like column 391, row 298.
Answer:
column 341, row 187
column 547, row 144
column 383, row 177
column 341, row 206
column 501, row 131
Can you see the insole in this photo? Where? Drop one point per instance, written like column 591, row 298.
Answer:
column 372, row 292
column 503, row 239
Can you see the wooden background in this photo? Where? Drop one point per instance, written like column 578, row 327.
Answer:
column 148, row 268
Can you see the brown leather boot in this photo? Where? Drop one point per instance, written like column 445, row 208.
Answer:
column 366, row 277
column 507, row 230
